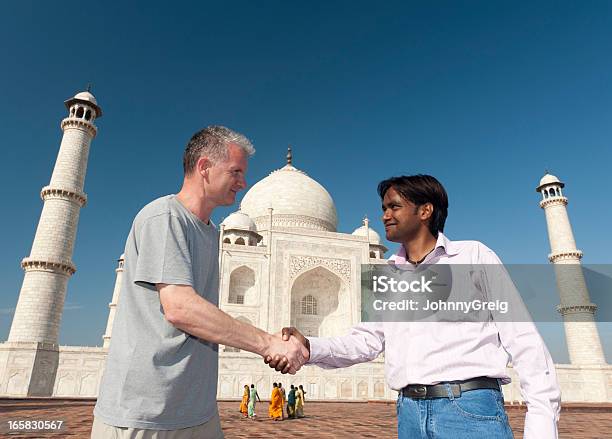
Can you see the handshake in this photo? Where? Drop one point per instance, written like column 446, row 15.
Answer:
column 288, row 351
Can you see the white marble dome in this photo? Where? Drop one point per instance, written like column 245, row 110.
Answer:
column 239, row 220
column 298, row 201
column 86, row 96
column 83, row 97
column 549, row 179
column 373, row 237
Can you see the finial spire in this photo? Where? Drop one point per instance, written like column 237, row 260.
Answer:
column 366, row 222
column 289, row 155
column 89, row 87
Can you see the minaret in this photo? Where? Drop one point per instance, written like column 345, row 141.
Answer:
column 583, row 343
column 39, row 309
column 113, row 305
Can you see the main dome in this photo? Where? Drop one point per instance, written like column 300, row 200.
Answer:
column 297, row 201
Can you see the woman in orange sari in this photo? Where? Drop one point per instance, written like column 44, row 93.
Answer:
column 244, row 404
column 276, row 404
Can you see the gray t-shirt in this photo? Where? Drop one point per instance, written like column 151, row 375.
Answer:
column 157, row 376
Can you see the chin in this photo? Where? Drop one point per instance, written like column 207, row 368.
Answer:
column 392, row 237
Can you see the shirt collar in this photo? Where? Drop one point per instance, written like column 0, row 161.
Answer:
column 442, row 243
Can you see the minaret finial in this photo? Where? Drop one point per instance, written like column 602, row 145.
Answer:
column 89, row 87
column 289, row 155
column 366, row 222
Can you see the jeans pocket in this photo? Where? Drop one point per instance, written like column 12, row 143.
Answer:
column 479, row 404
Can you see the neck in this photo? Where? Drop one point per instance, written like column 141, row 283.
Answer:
column 194, row 199
column 420, row 246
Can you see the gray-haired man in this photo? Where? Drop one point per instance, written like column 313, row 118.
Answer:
column 160, row 378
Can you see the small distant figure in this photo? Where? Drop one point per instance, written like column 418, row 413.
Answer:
column 276, row 404
column 244, row 404
column 291, row 403
column 253, row 396
column 284, row 396
column 299, row 401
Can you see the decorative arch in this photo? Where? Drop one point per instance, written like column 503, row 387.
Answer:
column 66, row 384
column 315, row 296
column 89, row 384
column 379, row 389
column 242, row 286
column 362, row 389
column 346, row 389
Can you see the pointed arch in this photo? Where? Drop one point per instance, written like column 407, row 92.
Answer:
column 315, row 296
column 242, row 286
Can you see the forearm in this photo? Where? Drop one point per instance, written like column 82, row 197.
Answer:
column 191, row 313
column 364, row 343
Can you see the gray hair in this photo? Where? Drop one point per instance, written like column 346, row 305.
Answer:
column 213, row 142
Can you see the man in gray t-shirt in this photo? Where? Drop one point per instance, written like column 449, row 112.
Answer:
column 161, row 371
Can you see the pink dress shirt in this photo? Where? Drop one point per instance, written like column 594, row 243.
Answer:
column 429, row 353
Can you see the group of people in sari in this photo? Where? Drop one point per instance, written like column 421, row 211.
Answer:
column 294, row 401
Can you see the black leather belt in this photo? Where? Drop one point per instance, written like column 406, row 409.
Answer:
column 421, row 391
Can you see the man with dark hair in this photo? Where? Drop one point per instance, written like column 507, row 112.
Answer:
column 160, row 378
column 447, row 373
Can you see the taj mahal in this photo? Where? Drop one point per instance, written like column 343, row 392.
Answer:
column 282, row 263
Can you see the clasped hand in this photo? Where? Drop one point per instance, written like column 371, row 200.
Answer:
column 288, row 351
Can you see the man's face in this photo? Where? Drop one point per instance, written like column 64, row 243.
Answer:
column 226, row 179
column 401, row 217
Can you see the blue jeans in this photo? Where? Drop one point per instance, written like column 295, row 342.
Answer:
column 473, row 415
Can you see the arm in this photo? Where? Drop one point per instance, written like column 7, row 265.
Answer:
column 364, row 343
column 530, row 357
column 189, row 312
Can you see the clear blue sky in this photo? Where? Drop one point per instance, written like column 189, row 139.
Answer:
column 483, row 95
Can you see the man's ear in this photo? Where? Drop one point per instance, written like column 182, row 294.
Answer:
column 203, row 165
column 426, row 211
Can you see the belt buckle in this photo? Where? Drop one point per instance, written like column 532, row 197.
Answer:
column 418, row 392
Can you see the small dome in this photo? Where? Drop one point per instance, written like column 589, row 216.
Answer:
column 549, row 179
column 82, row 97
column 86, row 96
column 239, row 220
column 297, row 200
column 373, row 237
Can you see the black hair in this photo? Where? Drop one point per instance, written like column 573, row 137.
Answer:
column 421, row 189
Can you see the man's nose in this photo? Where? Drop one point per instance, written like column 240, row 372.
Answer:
column 242, row 182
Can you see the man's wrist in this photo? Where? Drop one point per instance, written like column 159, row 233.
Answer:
column 266, row 342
